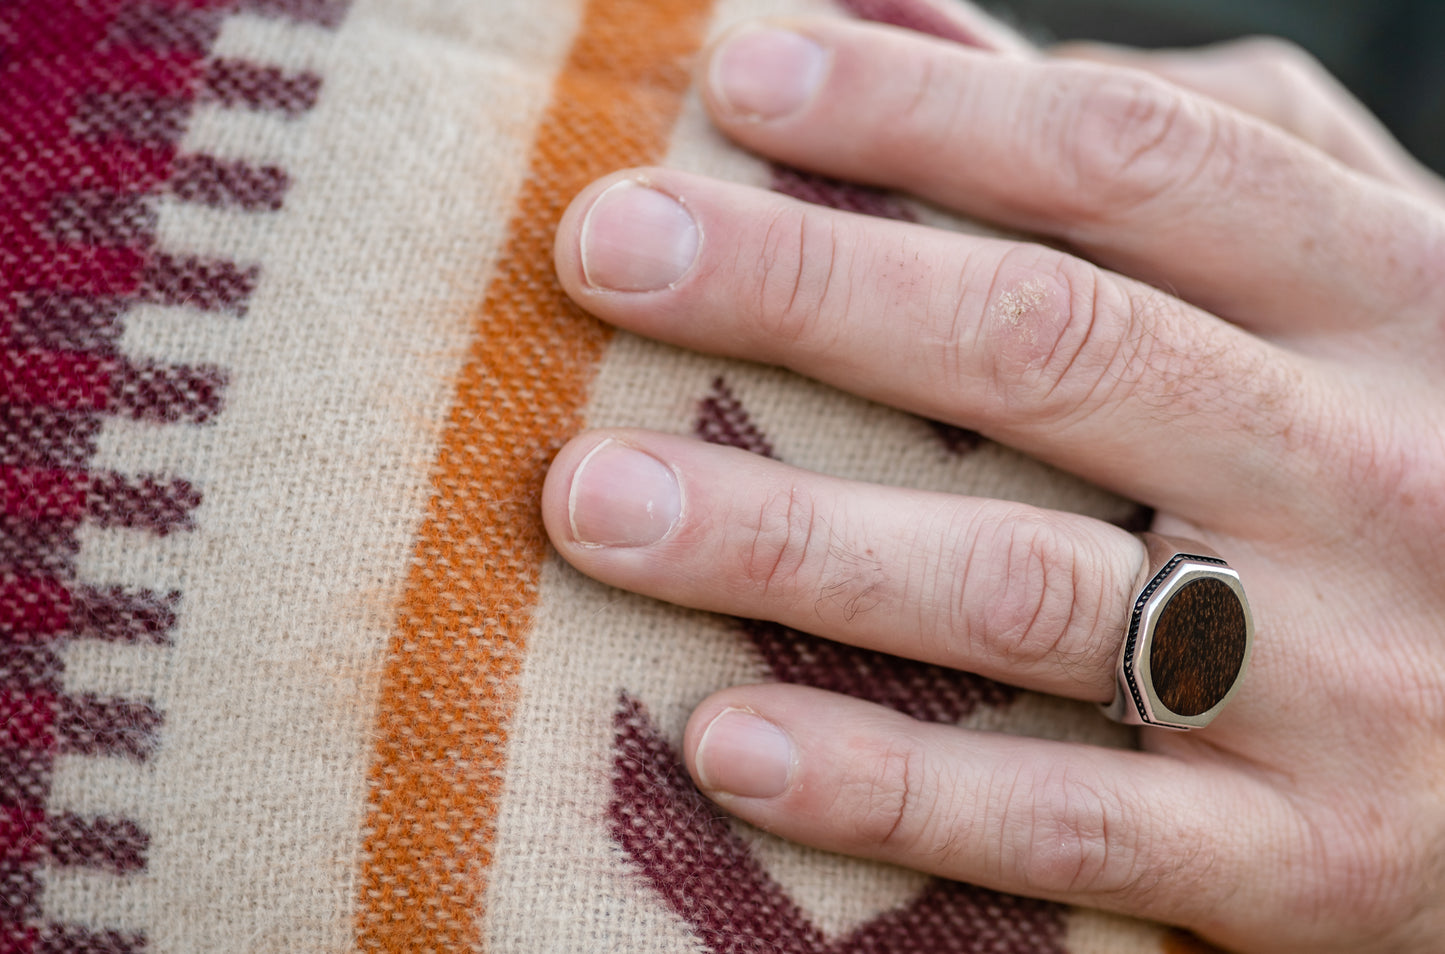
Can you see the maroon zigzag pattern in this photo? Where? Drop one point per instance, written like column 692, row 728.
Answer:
column 59, row 939
column 722, row 419
column 206, row 180
column 708, row 877
column 238, row 83
column 912, row 15
column 836, row 194
column 98, row 94
column 921, row 690
column 117, row 845
column 41, row 609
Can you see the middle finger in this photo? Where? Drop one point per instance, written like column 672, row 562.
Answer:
column 1091, row 371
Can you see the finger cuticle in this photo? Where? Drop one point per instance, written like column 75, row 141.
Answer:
column 765, row 72
column 622, row 497
column 744, row 755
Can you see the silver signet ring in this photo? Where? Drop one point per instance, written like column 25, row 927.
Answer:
column 1188, row 641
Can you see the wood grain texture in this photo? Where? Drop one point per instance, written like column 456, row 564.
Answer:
column 1198, row 646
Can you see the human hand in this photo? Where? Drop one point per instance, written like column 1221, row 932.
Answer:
column 1281, row 402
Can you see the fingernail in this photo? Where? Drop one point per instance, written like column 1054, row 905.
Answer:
column 767, row 73
column 635, row 238
column 621, row 497
column 744, row 755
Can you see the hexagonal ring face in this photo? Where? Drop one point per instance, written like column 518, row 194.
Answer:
column 1187, row 646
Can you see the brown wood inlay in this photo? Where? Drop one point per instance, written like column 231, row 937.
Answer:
column 1198, row 646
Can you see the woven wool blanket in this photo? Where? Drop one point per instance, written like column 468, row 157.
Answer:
column 287, row 664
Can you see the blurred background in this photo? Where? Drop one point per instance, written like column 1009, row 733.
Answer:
column 1391, row 53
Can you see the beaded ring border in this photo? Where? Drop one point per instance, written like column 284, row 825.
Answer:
column 1187, row 646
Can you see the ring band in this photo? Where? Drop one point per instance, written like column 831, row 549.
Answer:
column 1188, row 641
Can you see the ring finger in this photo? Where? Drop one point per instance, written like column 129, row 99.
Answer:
column 1030, row 597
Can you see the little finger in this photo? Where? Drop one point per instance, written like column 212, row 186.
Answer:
column 1139, row 833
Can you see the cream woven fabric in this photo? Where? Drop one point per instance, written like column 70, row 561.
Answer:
column 288, row 666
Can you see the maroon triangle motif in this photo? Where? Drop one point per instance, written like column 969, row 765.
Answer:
column 690, row 855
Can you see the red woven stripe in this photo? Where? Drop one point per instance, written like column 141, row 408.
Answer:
column 36, row 609
column 96, row 94
column 110, row 500
column 24, row 777
column 66, row 322
column 19, row 903
column 31, row 177
column 36, row 494
column 96, row 270
column 957, row 440
column 136, row 116
column 22, row 834
column 921, row 690
column 46, row 437
column 85, row 725
column 102, row 217
column 72, row 381
column 27, row 719
column 210, row 181
column 238, row 83
column 820, row 190
column 37, row 549
column 66, row 380
column 33, row 608
column 721, row 419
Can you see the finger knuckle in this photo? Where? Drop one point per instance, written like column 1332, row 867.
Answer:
column 1132, row 140
column 776, row 549
column 1287, row 62
column 1022, row 605
column 797, row 276
column 896, row 803
column 927, row 109
column 1061, row 338
column 1069, row 835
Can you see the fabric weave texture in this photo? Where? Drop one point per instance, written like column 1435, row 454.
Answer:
column 286, row 663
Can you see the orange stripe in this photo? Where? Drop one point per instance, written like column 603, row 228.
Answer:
column 448, row 690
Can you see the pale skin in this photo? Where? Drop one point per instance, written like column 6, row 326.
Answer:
column 1282, row 401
